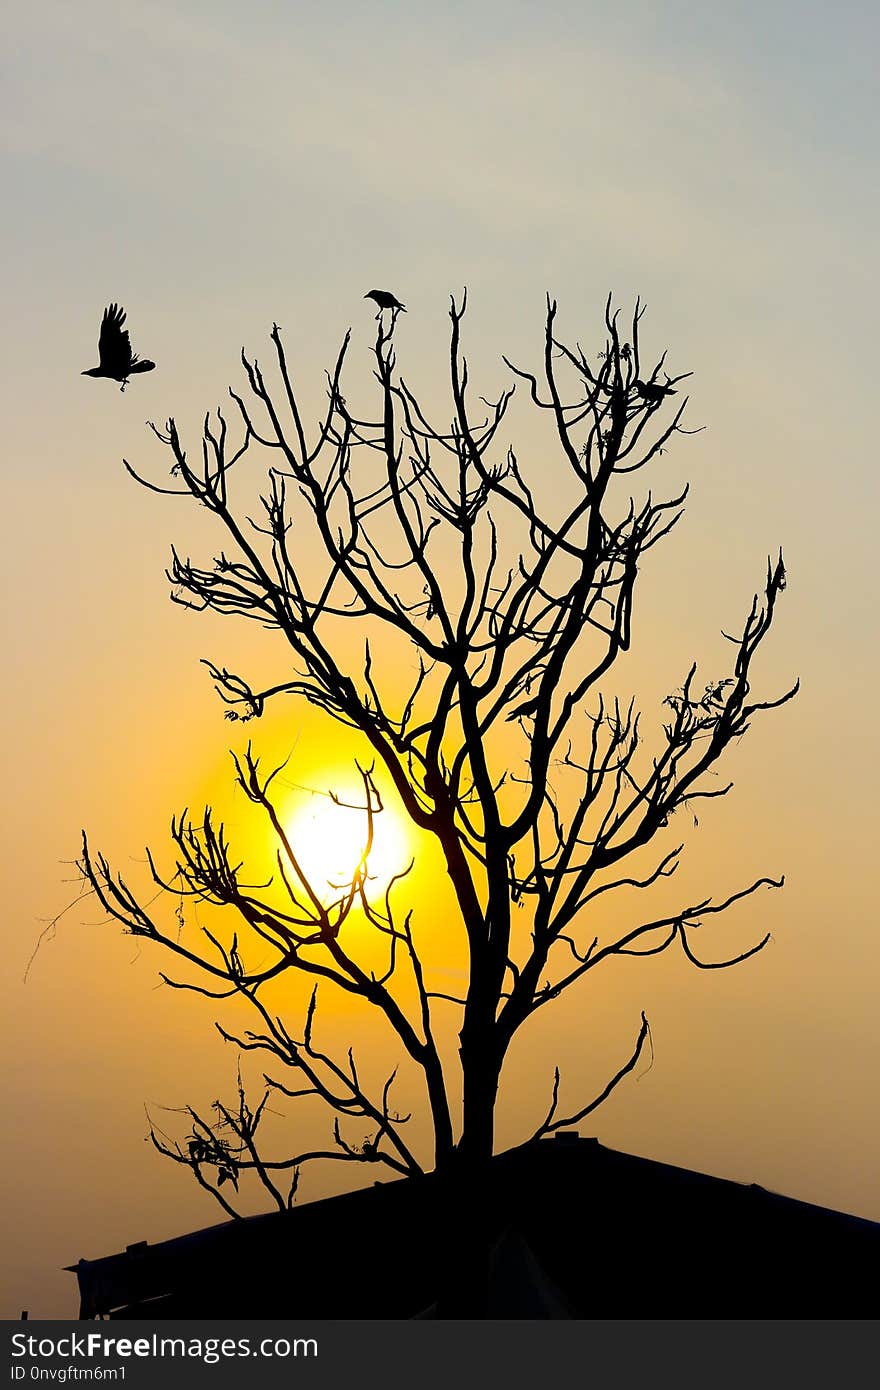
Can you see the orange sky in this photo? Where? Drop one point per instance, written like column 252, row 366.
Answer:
column 218, row 204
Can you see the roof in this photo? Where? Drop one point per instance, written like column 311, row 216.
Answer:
column 575, row 1229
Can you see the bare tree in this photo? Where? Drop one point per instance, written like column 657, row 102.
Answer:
column 516, row 600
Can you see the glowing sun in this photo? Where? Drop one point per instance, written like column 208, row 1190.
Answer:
column 330, row 840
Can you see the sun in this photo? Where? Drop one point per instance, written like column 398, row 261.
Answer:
column 330, row 839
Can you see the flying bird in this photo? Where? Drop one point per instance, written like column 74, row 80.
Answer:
column 118, row 362
column 385, row 300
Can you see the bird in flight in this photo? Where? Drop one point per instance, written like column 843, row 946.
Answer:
column 118, row 362
column 386, row 300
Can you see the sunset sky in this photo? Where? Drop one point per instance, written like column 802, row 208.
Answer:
column 216, row 168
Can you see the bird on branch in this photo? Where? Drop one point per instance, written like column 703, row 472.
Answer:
column 652, row 393
column 117, row 361
column 386, row 300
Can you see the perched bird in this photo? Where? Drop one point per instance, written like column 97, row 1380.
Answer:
column 118, row 362
column 652, row 392
column 385, row 300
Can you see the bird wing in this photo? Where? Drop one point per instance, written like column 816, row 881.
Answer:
column 114, row 346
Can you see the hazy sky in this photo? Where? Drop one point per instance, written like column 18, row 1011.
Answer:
column 218, row 167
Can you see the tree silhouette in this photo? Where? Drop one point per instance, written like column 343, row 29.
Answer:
column 515, row 593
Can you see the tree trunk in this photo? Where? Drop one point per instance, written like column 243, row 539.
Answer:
column 467, row 1232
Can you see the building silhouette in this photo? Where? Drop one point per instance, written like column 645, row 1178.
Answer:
column 576, row 1230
